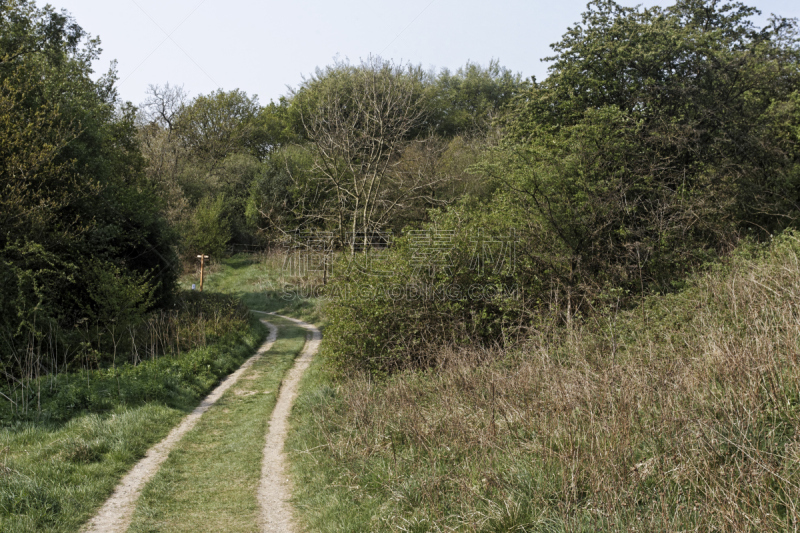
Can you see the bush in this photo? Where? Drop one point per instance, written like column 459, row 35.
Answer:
column 208, row 231
column 417, row 295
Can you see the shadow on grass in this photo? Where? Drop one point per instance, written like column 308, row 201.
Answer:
column 307, row 309
column 238, row 262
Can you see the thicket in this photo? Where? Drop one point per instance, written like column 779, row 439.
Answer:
column 83, row 246
column 61, row 372
column 660, row 138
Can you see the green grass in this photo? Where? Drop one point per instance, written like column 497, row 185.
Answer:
column 327, row 498
column 258, row 280
column 210, row 481
column 55, row 475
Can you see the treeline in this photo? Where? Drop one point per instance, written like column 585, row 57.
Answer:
column 355, row 149
column 659, row 139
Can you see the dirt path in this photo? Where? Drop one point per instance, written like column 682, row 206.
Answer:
column 117, row 513
column 274, row 490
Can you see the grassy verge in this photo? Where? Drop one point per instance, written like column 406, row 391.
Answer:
column 326, row 496
column 681, row 415
column 210, row 481
column 54, row 474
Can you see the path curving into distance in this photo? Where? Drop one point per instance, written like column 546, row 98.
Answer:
column 116, row 514
column 274, row 490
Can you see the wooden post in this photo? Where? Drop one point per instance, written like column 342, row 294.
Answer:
column 202, row 269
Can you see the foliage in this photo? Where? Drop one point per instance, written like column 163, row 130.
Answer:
column 277, row 178
column 209, row 146
column 660, row 138
column 389, row 309
column 285, row 196
column 359, row 119
column 654, row 143
column 74, row 189
column 214, row 125
column 465, row 102
column 681, row 414
column 209, row 230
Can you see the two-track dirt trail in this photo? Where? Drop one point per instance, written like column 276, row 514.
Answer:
column 273, row 494
column 274, row 490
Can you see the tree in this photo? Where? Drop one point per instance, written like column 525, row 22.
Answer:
column 360, row 119
column 652, row 147
column 72, row 175
column 166, row 156
column 209, row 230
column 216, row 125
column 286, row 197
column 467, row 101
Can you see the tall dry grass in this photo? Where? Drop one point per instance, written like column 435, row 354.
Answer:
column 681, row 415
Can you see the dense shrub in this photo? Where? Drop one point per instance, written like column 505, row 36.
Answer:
column 388, row 308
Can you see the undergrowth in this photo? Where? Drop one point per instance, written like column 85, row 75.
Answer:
column 149, row 361
column 682, row 414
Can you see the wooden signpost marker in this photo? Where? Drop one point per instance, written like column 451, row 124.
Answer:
column 202, row 268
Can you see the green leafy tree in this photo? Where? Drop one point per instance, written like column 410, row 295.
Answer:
column 209, row 230
column 74, row 190
column 465, row 102
column 286, row 196
column 651, row 146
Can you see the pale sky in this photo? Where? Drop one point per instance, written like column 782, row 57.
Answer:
column 263, row 47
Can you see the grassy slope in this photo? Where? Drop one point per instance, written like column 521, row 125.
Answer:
column 683, row 414
column 210, row 480
column 53, row 476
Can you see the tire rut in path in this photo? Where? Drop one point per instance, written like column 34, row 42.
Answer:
column 116, row 514
column 274, row 490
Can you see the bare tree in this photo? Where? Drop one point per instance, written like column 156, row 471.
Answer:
column 360, row 120
column 163, row 106
column 158, row 118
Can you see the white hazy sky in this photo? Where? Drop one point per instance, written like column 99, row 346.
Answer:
column 263, row 47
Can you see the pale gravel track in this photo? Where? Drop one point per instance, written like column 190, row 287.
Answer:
column 116, row 514
column 274, row 490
